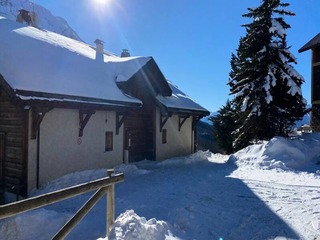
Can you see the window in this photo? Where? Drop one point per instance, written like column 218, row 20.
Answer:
column 109, row 141
column 164, row 136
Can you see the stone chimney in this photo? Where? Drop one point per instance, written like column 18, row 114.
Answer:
column 31, row 18
column 125, row 53
column 99, row 45
column 24, row 16
column 34, row 19
column 99, row 50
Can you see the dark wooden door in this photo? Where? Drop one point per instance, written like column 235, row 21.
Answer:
column 139, row 136
column 139, row 142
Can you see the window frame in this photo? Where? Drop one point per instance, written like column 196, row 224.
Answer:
column 108, row 144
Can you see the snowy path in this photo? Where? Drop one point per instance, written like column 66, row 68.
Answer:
column 198, row 197
column 299, row 206
column 206, row 203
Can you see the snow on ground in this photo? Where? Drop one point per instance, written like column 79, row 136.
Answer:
column 266, row 191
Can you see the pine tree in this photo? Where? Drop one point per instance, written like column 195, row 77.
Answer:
column 263, row 81
column 224, row 124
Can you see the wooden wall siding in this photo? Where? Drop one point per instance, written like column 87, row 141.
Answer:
column 139, row 125
column 2, row 154
column 316, row 83
column 316, row 55
column 12, row 123
column 2, row 157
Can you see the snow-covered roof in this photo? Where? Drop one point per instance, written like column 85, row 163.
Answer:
column 37, row 60
column 180, row 101
column 312, row 43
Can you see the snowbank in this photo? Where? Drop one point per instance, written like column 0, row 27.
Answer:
column 38, row 224
column 195, row 158
column 130, row 226
column 70, row 180
column 285, row 161
column 130, row 169
column 300, row 154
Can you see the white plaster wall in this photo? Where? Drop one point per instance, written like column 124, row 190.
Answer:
column 60, row 152
column 179, row 143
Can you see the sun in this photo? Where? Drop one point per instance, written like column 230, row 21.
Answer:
column 101, row 8
column 102, row 2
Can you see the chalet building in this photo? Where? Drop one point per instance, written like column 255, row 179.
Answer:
column 67, row 106
column 314, row 46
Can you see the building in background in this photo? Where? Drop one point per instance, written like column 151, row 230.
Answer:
column 314, row 46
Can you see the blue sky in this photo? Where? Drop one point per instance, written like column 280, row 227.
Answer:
column 191, row 40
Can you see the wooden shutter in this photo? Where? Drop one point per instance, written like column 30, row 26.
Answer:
column 164, row 136
column 109, row 141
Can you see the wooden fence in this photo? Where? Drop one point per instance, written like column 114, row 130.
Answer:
column 103, row 186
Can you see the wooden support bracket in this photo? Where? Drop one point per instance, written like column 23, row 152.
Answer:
column 195, row 120
column 163, row 120
column 120, row 117
column 37, row 117
column 182, row 120
column 84, row 117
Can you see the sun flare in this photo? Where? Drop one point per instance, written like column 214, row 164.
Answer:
column 102, row 2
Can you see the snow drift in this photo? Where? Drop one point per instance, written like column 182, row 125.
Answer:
column 299, row 154
column 130, row 226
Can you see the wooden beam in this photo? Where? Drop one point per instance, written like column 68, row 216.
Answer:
column 110, row 208
column 83, row 211
column 37, row 117
column 163, row 120
column 83, row 121
column 13, row 209
column 182, row 120
column 120, row 117
column 110, row 203
column 195, row 120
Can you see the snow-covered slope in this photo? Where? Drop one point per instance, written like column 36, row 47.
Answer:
column 202, row 196
column 10, row 10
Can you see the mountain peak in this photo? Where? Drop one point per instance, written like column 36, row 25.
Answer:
column 10, row 10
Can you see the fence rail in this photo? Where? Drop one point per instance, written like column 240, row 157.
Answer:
column 103, row 186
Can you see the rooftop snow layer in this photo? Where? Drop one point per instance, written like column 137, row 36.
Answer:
column 180, row 100
column 37, row 60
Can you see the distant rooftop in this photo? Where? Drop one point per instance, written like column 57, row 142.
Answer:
column 314, row 42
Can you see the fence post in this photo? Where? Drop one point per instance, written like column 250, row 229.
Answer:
column 110, row 204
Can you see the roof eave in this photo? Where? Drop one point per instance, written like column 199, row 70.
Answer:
column 66, row 101
column 314, row 42
column 185, row 111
